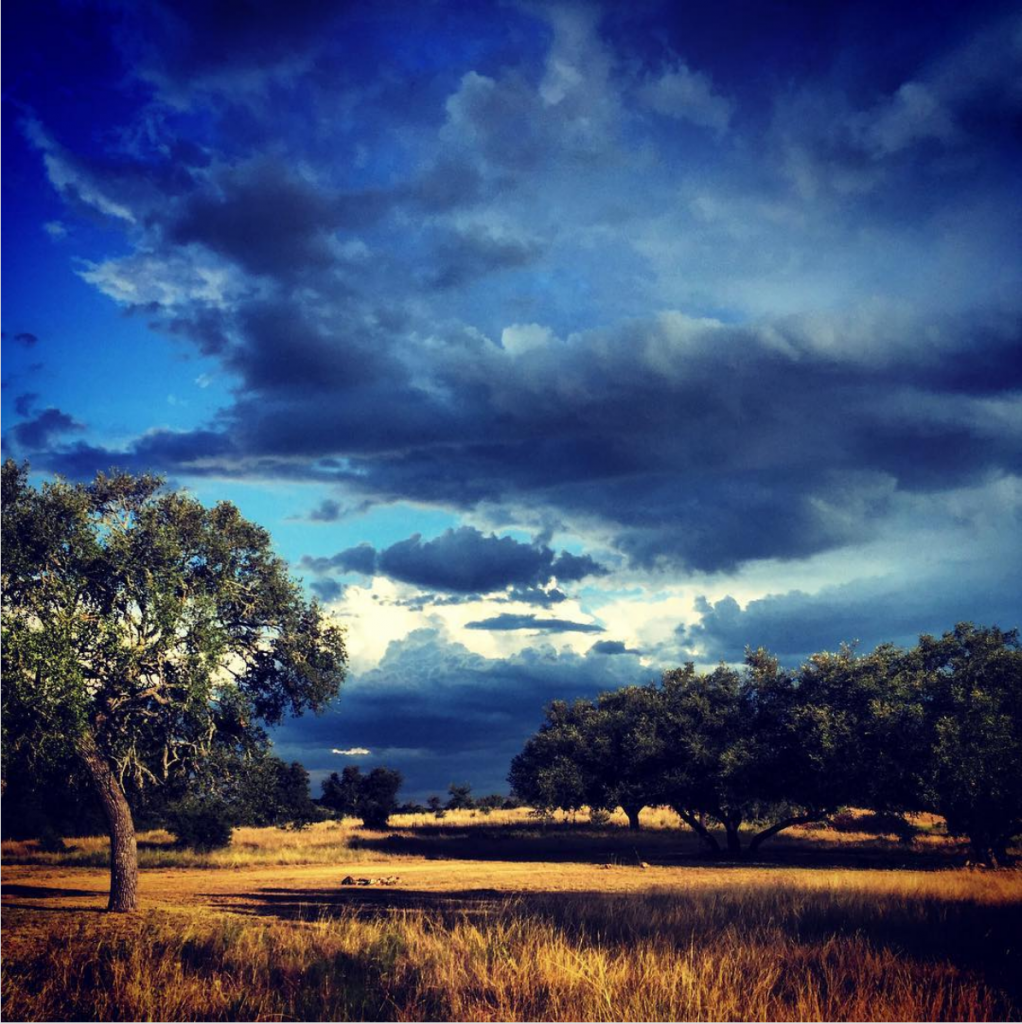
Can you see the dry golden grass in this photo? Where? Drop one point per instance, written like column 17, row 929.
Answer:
column 333, row 842
column 762, row 950
column 501, row 917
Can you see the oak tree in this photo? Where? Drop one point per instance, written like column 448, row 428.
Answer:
column 142, row 629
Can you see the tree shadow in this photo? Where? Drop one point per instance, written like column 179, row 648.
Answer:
column 44, row 892
column 978, row 936
column 362, row 901
column 567, row 843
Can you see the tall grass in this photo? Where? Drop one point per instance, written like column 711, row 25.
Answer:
column 556, row 837
column 769, row 949
column 324, row 843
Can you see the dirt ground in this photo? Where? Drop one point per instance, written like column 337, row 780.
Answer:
column 310, row 891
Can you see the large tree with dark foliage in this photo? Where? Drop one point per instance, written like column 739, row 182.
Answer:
column 372, row 797
column 775, row 748
column 601, row 754
column 938, row 727
column 969, row 694
column 140, row 631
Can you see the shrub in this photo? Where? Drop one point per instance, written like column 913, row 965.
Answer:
column 875, row 823
column 377, row 797
column 200, row 824
column 50, row 841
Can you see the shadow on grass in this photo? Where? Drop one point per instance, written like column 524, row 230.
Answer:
column 44, row 892
column 568, row 843
column 315, row 904
column 980, row 937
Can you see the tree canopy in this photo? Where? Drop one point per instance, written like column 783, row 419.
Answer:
column 371, row 797
column 142, row 630
column 935, row 728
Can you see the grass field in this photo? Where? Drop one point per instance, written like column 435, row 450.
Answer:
column 502, row 917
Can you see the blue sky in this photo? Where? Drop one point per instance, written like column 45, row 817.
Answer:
column 556, row 344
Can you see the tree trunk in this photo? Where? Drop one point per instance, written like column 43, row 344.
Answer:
column 990, row 850
column 699, row 828
column 123, row 848
column 734, row 842
column 761, row 837
column 633, row 817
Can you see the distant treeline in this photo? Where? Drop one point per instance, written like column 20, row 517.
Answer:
column 373, row 797
column 200, row 807
column 936, row 728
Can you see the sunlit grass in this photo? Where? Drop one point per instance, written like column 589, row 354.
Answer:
column 560, row 834
column 916, row 947
column 323, row 843
column 797, row 938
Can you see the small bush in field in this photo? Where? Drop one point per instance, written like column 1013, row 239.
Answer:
column 599, row 816
column 52, row 842
column 876, row 823
column 200, row 824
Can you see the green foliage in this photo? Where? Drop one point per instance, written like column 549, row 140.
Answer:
column 377, row 799
column 272, row 792
column 341, row 792
column 936, row 728
column 491, row 802
column 372, row 797
column 156, row 624
column 596, row 754
column 877, row 823
column 459, row 797
column 970, row 696
column 142, row 634
column 201, row 824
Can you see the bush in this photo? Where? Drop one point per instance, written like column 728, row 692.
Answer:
column 874, row 823
column 200, row 824
column 51, row 841
column 377, row 797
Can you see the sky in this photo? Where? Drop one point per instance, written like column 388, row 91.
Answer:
column 555, row 344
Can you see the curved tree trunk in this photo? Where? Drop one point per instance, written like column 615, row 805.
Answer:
column 761, row 837
column 123, row 848
column 633, row 817
column 699, row 828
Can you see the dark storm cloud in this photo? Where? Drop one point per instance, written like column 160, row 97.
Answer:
column 510, row 621
column 432, row 704
column 465, row 256
column 42, row 430
column 24, row 403
column 700, row 444
column 845, row 243
column 327, row 511
column 361, row 558
column 266, row 219
column 871, row 611
column 186, row 41
column 327, row 589
column 464, row 561
column 611, row 647
column 537, row 596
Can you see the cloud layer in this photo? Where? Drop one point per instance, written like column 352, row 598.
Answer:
column 700, row 297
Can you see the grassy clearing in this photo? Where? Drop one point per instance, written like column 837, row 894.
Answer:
column 514, row 834
column 324, row 843
column 942, row 947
